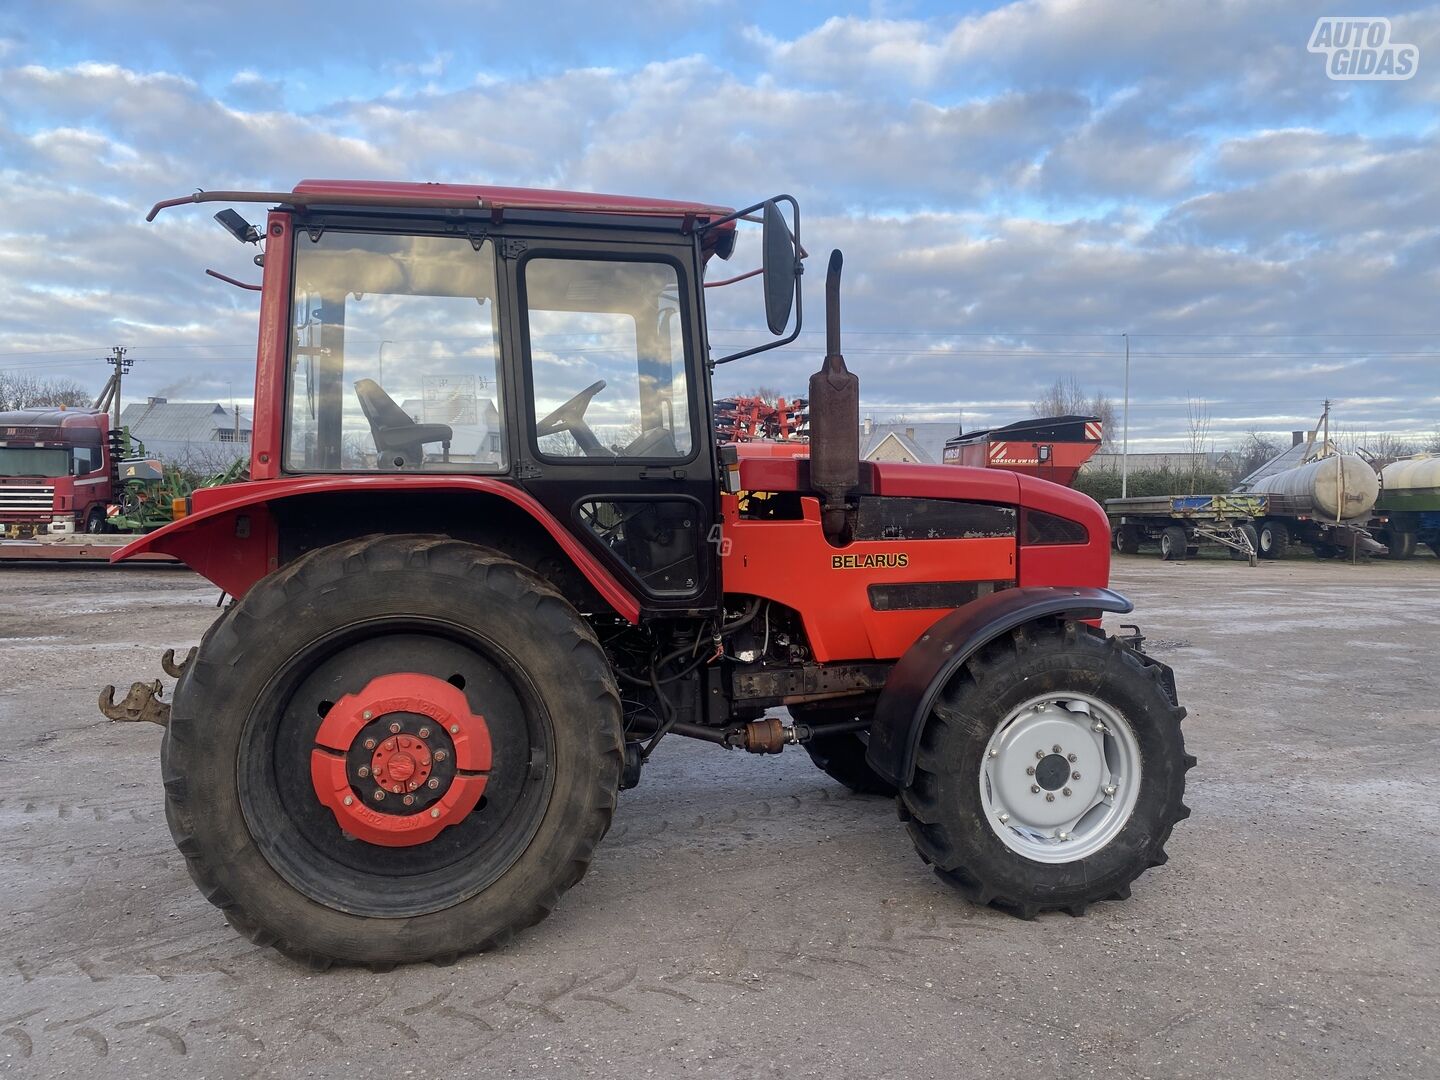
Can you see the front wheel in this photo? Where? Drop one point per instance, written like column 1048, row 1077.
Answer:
column 1050, row 772
column 394, row 749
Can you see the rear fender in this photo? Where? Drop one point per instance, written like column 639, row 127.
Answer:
column 230, row 537
column 922, row 672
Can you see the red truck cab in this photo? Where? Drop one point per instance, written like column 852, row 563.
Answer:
column 56, row 472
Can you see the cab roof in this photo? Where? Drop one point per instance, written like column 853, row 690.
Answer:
column 499, row 198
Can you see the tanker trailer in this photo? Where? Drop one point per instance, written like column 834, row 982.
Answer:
column 1325, row 503
column 1407, row 513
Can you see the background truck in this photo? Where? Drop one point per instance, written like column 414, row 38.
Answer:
column 58, row 471
column 1407, row 514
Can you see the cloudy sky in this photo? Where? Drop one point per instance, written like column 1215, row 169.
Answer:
column 1014, row 187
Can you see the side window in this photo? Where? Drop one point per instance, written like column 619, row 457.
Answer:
column 394, row 359
column 607, row 359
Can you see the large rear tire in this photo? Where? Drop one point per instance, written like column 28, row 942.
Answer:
column 1050, row 773
column 249, row 813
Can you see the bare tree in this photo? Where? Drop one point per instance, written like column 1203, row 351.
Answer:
column 1432, row 444
column 1198, row 437
column 768, row 394
column 1385, row 448
column 1254, row 450
column 21, row 390
column 1066, row 397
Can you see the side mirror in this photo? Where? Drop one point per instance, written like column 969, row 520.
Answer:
column 780, row 259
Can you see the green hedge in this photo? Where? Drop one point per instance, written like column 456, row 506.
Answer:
column 1104, row 484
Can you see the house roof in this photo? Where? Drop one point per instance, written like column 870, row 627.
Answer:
column 923, row 441
column 179, row 421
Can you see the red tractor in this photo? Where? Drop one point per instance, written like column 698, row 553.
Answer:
column 490, row 556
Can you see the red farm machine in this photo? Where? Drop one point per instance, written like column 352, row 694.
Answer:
column 481, row 574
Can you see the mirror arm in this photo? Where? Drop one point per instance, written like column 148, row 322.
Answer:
column 231, row 281
column 799, row 322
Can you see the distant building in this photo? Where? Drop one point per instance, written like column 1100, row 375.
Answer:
column 1178, row 461
column 202, row 433
column 922, row 443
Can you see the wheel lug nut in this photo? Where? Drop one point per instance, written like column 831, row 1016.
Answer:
column 395, row 728
column 1067, row 791
column 1070, row 757
column 413, row 785
column 1055, row 748
column 349, row 800
column 369, row 744
column 435, row 812
column 440, row 755
column 1097, row 726
column 1110, row 790
column 1039, row 754
column 1064, row 836
column 994, row 752
column 367, row 715
column 362, row 771
column 408, row 800
column 1034, row 789
column 432, row 783
column 454, row 729
column 1029, row 770
column 424, row 732
column 1050, row 797
column 1004, row 818
column 1074, row 776
column 379, row 795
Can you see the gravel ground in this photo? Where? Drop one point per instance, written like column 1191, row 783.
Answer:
column 747, row 917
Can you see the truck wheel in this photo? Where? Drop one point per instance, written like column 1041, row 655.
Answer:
column 1274, row 540
column 1402, row 545
column 1174, row 545
column 842, row 757
column 1050, row 772
column 95, row 520
column 1252, row 536
column 393, row 749
column 1127, row 539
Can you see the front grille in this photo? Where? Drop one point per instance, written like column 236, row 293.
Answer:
column 26, row 501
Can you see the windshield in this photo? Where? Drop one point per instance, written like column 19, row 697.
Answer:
column 34, row 461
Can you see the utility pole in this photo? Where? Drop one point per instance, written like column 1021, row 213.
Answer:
column 1125, row 445
column 121, row 364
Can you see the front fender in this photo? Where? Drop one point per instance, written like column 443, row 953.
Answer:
column 922, row 672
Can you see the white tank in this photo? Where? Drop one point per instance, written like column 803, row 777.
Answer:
column 1341, row 486
column 1412, row 474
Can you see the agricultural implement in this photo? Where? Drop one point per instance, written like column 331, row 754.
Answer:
column 481, row 574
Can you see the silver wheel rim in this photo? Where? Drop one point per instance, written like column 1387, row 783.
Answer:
column 1050, row 814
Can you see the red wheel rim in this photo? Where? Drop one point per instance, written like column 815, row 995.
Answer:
column 402, row 760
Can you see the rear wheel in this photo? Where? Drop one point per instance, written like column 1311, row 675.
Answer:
column 95, row 520
column 394, row 749
column 1127, row 539
column 1174, row 545
column 1274, row 540
column 1051, row 772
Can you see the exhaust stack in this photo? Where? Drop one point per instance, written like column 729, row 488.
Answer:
column 834, row 419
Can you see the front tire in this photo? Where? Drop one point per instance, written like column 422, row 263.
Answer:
column 842, row 757
column 1174, row 545
column 247, row 725
column 1000, row 813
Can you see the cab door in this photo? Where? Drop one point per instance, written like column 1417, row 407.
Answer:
column 615, row 432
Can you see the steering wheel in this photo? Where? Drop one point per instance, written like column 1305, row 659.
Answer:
column 571, row 417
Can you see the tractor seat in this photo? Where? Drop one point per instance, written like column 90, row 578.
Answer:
column 399, row 439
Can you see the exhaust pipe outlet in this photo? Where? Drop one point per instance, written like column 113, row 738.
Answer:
column 834, row 420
